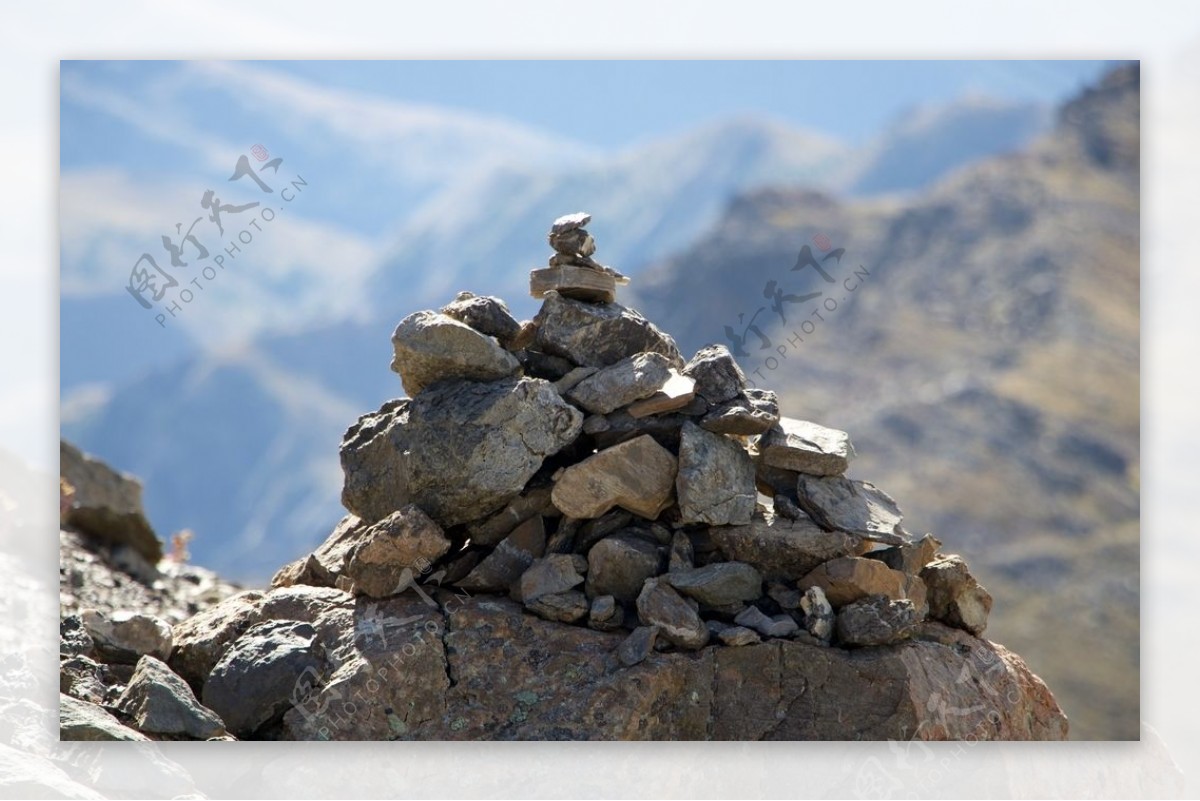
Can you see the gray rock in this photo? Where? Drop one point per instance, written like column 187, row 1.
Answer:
column 805, row 447
column 592, row 531
column 83, row 678
column 620, row 426
column 818, row 613
column 503, row 567
column 555, row 573
column 788, row 598
column 125, row 637
column 619, row 566
column 779, row 627
column 533, row 501
column 715, row 482
column 255, row 682
column 606, row 614
column 598, row 334
column 855, row 507
column 160, row 702
column 637, row 646
column 201, row 640
column 911, row 558
column 638, row 475
column 779, row 548
column 106, row 504
column 464, row 449
column 754, row 411
column 571, row 379
column 562, row 607
column 719, row 584
column 682, row 556
column 738, row 635
column 717, row 375
column 659, row 605
column 79, row 720
column 570, row 222
column 633, row 378
column 487, row 315
column 955, row 597
column 677, row 394
column 544, row 365
column 875, row 620
column 73, row 638
column 786, row 508
column 399, row 547
column 431, row 347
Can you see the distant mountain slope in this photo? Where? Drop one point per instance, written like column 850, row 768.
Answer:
column 983, row 350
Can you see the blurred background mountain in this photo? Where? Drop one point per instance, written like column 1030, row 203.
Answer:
column 985, row 361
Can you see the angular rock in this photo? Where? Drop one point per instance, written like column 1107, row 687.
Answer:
column 465, row 450
column 715, row 482
column 125, row 637
column 598, row 334
column 571, row 379
column 533, row 501
column 431, row 347
column 255, row 682
column 575, row 282
column 910, row 558
column 620, row 427
column 487, row 315
column 201, row 640
column 855, row 507
column 81, row 721
column 160, row 702
column 875, row 620
column 851, row 578
column 106, row 504
column 738, row 635
column 83, row 678
column 955, row 597
column 780, row 548
column 915, row 591
column 788, row 598
column 777, row 627
column 659, row 605
column 717, row 375
column 73, row 637
column 633, row 378
column 544, row 365
column 562, row 607
column 805, row 447
column 501, row 569
column 676, row 394
column 753, row 411
column 619, row 566
column 570, row 222
column 399, row 547
column 592, row 531
column 556, row 573
column 637, row 475
column 606, row 614
column 719, row 584
column 637, row 646
column 818, row 613
column 682, row 555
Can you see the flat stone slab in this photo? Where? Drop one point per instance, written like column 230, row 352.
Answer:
column 638, row 475
column 570, row 281
column 805, row 447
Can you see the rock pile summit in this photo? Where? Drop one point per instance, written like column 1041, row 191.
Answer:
column 567, row 530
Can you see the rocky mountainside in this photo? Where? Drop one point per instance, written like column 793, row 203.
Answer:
column 565, row 531
column 984, row 338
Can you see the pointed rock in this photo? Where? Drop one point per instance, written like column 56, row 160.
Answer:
column 598, row 334
column 659, row 605
column 752, row 412
column 638, row 475
column 160, row 702
column 431, row 347
column 805, row 447
column 717, row 375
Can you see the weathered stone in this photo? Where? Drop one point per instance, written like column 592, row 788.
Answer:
column 523, row 339
column 544, row 365
column 779, row 548
column 575, row 282
column 487, row 315
column 781, row 626
column 682, row 556
column 659, row 605
column 875, row 620
column 393, row 552
column 806, row 447
column 575, row 242
column 501, row 569
column 201, row 640
column 73, row 637
column 571, row 379
column 620, row 427
column 305, row 570
column 676, row 394
column 955, row 597
column 754, row 411
column 638, row 645
column 717, row 375
column 915, row 591
column 786, row 508
column 619, row 566
column 431, row 347
column 910, row 558
column 852, row 506
column 160, row 702
column 592, row 531
column 466, row 449
column 125, row 637
column 606, row 614
column 850, row 578
column 563, row 607
column 775, row 483
column 570, row 222
column 563, row 538
column 79, row 720
column 715, row 482
column 818, row 613
column 787, row 597
column 598, row 334
column 633, row 378
column 638, row 475
column 735, row 636
column 553, row 574
column 718, row 584
column 533, row 501
column 255, row 681
column 106, row 504
column 83, row 678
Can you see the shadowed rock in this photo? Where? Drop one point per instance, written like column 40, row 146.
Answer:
column 955, row 597
column 598, row 334
column 715, row 483
column 850, row 578
column 620, row 384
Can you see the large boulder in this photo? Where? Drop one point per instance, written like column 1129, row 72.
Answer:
column 715, row 483
column 620, row 384
column 638, row 475
column 460, row 451
column 431, row 347
column 598, row 334
column 106, row 504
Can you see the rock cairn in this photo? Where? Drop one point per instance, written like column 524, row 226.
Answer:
column 579, row 465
